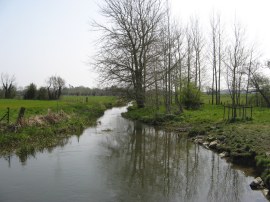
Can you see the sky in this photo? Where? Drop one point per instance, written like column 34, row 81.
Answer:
column 42, row 38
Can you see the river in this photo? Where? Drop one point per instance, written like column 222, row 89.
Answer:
column 125, row 161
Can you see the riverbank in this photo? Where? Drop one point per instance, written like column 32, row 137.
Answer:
column 242, row 142
column 123, row 160
column 49, row 123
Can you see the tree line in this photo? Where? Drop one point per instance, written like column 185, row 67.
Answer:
column 55, row 87
column 86, row 91
column 144, row 49
column 52, row 90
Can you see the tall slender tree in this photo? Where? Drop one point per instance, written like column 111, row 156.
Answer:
column 216, row 56
column 235, row 62
column 198, row 45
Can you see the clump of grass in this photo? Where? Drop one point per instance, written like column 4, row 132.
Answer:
column 196, row 132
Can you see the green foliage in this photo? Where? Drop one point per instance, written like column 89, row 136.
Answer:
column 55, row 87
column 1, row 94
column 42, row 94
column 191, row 96
column 196, row 131
column 30, row 92
column 266, row 179
column 150, row 115
column 11, row 93
column 263, row 161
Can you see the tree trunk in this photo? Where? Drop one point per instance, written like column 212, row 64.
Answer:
column 139, row 90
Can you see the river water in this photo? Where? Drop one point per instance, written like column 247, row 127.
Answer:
column 122, row 160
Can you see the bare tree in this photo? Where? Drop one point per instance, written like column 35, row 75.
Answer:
column 189, row 55
column 55, row 85
column 8, row 84
column 179, row 55
column 236, row 61
column 127, row 42
column 217, row 56
column 252, row 67
column 198, row 45
column 167, row 40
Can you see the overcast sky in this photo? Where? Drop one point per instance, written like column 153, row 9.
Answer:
column 40, row 38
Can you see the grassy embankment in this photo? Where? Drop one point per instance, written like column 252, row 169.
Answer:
column 245, row 142
column 48, row 123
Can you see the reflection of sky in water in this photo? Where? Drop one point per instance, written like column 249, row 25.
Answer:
column 121, row 160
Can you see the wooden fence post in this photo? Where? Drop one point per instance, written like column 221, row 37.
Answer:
column 224, row 112
column 20, row 115
column 8, row 115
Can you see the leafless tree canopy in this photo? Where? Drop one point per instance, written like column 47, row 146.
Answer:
column 55, row 85
column 128, row 42
column 236, row 61
column 8, row 84
column 142, row 47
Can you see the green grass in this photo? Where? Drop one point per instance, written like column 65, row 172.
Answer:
column 30, row 138
column 224, row 98
column 37, row 107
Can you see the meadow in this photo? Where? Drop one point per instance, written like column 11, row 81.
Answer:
column 66, row 103
column 55, row 121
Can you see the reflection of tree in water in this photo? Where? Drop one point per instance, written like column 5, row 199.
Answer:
column 152, row 161
column 152, row 165
column 29, row 151
column 225, row 185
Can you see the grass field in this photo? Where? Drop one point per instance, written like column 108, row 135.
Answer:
column 37, row 107
column 60, row 120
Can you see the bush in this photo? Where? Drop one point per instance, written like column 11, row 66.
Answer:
column 30, row 92
column 42, row 94
column 191, row 97
column 267, row 180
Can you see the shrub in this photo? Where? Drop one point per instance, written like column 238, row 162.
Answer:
column 42, row 94
column 191, row 97
column 30, row 92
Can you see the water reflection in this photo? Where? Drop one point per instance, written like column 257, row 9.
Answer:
column 153, row 165
column 121, row 160
column 29, row 151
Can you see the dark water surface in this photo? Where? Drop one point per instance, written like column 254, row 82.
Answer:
column 121, row 160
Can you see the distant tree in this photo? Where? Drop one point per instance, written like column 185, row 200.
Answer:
column 55, row 85
column 1, row 93
column 8, row 84
column 30, row 92
column 42, row 94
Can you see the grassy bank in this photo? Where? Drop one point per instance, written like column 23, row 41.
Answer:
column 245, row 142
column 48, row 123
